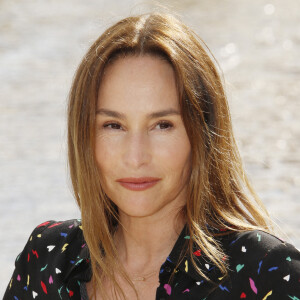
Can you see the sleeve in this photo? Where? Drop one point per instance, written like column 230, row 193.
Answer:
column 26, row 267
column 279, row 274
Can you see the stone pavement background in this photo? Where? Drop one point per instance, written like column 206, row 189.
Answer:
column 256, row 42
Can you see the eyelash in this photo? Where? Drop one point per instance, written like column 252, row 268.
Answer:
column 159, row 123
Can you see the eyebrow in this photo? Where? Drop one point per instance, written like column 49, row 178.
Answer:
column 153, row 115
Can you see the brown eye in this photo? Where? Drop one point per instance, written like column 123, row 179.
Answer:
column 165, row 125
column 113, row 126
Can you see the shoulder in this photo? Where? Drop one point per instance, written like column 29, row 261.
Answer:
column 56, row 230
column 55, row 240
column 253, row 241
column 52, row 250
column 257, row 245
column 264, row 264
column 54, row 237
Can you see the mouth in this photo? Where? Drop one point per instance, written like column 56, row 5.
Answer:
column 138, row 184
column 138, row 179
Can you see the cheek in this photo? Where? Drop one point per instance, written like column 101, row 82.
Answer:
column 175, row 155
column 105, row 151
column 106, row 159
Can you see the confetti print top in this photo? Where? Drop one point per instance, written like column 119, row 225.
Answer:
column 55, row 263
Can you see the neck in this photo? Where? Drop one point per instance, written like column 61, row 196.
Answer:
column 145, row 242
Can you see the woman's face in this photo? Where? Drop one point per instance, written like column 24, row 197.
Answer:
column 131, row 142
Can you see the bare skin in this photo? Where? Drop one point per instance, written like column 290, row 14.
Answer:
column 143, row 253
column 139, row 260
column 139, row 146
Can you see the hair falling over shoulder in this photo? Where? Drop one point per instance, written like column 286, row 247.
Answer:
column 220, row 194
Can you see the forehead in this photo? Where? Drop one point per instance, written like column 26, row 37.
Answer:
column 143, row 62
column 140, row 81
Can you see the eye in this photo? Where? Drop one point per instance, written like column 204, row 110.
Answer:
column 165, row 125
column 113, row 126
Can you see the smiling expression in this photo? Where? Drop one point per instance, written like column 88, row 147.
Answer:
column 140, row 133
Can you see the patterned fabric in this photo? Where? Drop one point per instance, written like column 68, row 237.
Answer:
column 83, row 291
column 55, row 262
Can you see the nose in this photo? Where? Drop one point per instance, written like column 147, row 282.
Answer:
column 137, row 150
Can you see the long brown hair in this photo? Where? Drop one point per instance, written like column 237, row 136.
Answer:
column 219, row 193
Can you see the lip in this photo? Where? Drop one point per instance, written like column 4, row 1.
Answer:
column 138, row 184
column 138, row 180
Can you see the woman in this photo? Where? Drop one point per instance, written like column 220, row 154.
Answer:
column 167, row 211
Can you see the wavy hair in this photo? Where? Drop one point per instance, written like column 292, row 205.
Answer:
column 219, row 193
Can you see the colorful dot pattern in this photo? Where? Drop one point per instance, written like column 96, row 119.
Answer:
column 55, row 264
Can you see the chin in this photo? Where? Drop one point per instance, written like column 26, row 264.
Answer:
column 139, row 208
column 137, row 212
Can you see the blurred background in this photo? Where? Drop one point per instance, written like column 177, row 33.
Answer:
column 256, row 43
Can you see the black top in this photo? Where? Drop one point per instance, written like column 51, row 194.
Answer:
column 83, row 291
column 55, row 262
